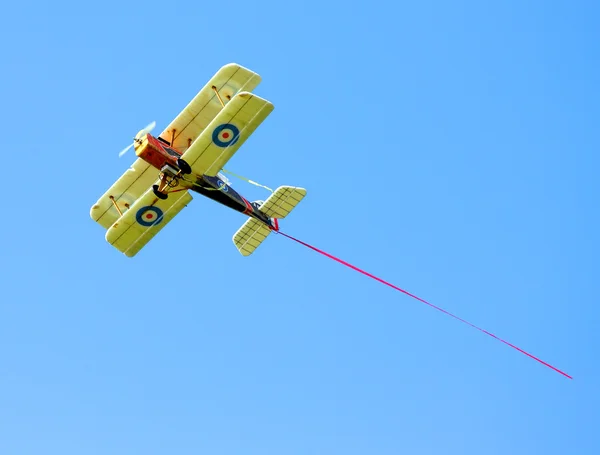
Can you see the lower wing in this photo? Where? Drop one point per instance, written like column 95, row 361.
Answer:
column 146, row 218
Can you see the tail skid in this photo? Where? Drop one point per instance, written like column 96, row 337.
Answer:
column 279, row 205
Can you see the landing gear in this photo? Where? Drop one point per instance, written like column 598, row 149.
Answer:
column 184, row 168
column 169, row 178
column 159, row 194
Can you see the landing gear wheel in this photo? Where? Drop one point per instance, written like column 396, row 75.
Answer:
column 183, row 166
column 158, row 194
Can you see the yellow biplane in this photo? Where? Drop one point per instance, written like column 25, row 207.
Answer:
column 189, row 155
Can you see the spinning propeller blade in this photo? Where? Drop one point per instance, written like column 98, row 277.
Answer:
column 122, row 152
column 147, row 129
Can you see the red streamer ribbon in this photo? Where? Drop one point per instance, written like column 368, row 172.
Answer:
column 330, row 256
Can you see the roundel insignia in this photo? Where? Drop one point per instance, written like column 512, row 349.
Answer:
column 225, row 135
column 149, row 216
column 222, row 186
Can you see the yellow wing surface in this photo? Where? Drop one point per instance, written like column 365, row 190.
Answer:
column 125, row 191
column 186, row 127
column 146, row 218
column 226, row 133
column 197, row 115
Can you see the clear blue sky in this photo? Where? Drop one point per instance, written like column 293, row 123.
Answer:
column 448, row 147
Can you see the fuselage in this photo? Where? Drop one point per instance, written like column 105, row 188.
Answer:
column 159, row 153
column 156, row 152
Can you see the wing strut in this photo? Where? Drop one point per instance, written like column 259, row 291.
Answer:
column 112, row 199
column 218, row 96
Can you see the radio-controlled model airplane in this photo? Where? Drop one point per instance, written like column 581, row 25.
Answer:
column 188, row 156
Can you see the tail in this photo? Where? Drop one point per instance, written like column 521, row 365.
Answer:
column 277, row 206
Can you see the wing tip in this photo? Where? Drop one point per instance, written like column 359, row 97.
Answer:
column 255, row 77
column 93, row 212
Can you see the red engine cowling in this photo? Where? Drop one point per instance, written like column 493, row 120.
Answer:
column 156, row 153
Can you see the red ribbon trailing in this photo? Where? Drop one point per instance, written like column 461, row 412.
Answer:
column 330, row 256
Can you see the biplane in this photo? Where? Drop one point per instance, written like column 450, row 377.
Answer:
column 188, row 156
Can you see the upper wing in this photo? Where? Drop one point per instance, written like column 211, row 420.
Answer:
column 146, row 218
column 196, row 116
column 125, row 191
column 226, row 133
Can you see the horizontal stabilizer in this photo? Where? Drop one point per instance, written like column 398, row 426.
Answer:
column 250, row 236
column 282, row 201
column 278, row 205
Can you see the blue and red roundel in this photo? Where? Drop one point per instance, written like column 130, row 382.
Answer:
column 226, row 135
column 149, row 216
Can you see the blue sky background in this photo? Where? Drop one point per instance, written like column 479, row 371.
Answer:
column 448, row 147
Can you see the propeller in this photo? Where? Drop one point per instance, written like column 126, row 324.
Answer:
column 138, row 137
